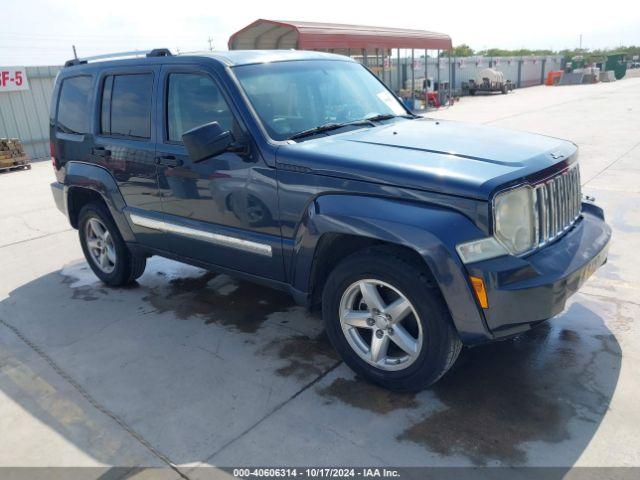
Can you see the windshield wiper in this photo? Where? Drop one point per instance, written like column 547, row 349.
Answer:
column 381, row 116
column 319, row 129
column 389, row 116
column 327, row 127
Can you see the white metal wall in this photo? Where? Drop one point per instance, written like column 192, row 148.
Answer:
column 528, row 70
column 25, row 114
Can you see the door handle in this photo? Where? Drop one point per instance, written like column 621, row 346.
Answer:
column 169, row 161
column 100, row 152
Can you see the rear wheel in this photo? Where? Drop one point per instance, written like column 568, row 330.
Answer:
column 104, row 248
column 387, row 319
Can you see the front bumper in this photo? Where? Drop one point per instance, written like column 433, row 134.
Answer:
column 524, row 291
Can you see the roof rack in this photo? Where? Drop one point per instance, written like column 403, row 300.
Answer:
column 156, row 52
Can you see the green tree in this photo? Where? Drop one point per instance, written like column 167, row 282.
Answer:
column 462, row 50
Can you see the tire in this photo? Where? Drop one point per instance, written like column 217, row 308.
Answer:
column 122, row 267
column 429, row 322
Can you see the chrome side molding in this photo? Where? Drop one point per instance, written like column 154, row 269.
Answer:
column 214, row 238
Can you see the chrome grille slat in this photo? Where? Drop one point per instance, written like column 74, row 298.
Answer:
column 554, row 207
column 558, row 203
column 573, row 193
column 565, row 202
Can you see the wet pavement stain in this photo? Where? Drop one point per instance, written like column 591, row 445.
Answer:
column 219, row 299
column 367, row 396
column 306, row 357
column 87, row 293
column 569, row 335
column 489, row 413
column 500, row 396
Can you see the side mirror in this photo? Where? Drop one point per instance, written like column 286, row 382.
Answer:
column 207, row 141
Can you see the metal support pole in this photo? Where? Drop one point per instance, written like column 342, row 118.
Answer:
column 388, row 54
column 426, row 79
column 438, row 70
column 450, row 76
column 399, row 74
column 413, row 81
column 520, row 73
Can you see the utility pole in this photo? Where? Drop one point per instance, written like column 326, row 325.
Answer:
column 210, row 40
column 580, row 41
column 75, row 55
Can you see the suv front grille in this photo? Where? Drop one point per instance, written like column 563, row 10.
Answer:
column 558, row 204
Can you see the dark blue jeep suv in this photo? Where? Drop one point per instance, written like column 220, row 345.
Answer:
column 302, row 171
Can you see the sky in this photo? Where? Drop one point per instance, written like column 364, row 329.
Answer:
column 41, row 32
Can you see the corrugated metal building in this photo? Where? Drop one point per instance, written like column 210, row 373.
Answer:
column 25, row 114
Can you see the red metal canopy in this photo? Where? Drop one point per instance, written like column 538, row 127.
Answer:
column 281, row 34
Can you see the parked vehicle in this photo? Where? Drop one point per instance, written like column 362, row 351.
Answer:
column 489, row 80
column 302, row 171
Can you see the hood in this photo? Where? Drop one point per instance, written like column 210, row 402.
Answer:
column 442, row 156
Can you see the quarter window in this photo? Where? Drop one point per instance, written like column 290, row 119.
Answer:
column 194, row 100
column 74, row 108
column 126, row 105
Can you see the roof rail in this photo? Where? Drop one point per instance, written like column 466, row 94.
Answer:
column 160, row 52
column 156, row 52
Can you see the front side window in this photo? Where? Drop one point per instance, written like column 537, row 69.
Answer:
column 291, row 97
column 192, row 101
column 126, row 104
column 75, row 105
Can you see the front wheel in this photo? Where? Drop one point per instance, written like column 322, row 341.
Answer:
column 387, row 319
column 104, row 248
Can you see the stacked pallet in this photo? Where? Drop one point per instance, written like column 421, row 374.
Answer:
column 12, row 154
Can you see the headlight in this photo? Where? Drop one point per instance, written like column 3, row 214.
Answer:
column 515, row 219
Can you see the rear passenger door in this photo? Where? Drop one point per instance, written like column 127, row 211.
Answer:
column 221, row 210
column 126, row 145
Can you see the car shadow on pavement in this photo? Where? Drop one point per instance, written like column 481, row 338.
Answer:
column 535, row 399
column 190, row 361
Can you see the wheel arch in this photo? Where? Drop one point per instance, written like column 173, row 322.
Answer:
column 337, row 225
column 85, row 183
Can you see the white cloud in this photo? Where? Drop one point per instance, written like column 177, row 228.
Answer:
column 42, row 31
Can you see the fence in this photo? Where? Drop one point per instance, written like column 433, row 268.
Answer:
column 521, row 71
column 25, row 114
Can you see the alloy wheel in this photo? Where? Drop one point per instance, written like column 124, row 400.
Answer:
column 100, row 245
column 380, row 324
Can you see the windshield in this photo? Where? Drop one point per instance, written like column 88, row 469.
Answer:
column 293, row 97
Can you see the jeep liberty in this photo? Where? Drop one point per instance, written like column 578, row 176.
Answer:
column 303, row 171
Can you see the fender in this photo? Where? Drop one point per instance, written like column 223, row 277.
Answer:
column 430, row 230
column 100, row 180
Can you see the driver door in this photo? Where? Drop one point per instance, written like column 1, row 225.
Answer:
column 221, row 210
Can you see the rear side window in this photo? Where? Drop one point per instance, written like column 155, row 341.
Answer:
column 75, row 105
column 126, row 105
column 194, row 100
